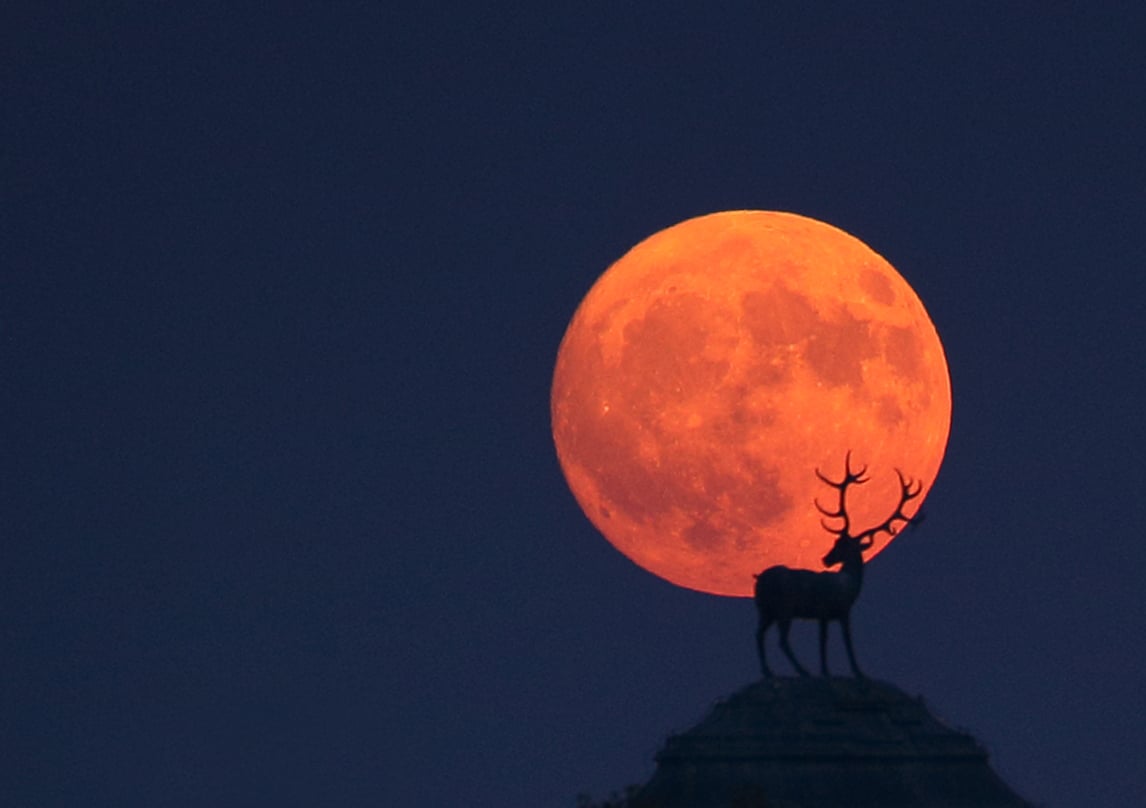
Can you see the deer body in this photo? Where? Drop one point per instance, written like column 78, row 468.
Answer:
column 784, row 594
column 788, row 594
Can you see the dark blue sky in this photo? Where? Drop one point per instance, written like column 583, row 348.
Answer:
column 282, row 288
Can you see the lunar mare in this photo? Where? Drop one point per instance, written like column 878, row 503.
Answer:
column 713, row 368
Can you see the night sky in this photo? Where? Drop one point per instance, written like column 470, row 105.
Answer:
column 281, row 521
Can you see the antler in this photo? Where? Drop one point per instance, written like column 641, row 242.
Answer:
column 908, row 490
column 841, row 513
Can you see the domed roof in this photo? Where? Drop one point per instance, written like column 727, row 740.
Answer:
column 786, row 742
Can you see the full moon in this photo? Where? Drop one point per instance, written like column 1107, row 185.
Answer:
column 714, row 368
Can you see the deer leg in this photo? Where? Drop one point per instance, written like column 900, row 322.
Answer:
column 787, row 649
column 760, row 647
column 845, row 624
column 824, row 648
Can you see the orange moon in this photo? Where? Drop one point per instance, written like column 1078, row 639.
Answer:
column 720, row 362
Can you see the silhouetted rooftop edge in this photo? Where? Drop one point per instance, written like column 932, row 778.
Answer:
column 823, row 742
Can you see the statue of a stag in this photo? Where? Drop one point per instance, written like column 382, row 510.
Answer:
column 784, row 594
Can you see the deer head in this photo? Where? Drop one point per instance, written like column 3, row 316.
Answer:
column 848, row 547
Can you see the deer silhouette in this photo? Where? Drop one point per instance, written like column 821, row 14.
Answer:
column 784, row 594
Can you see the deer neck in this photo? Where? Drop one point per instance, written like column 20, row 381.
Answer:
column 852, row 571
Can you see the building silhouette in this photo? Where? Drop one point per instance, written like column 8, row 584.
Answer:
column 822, row 743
